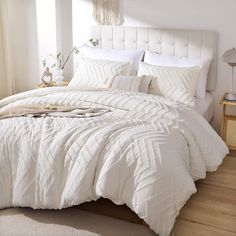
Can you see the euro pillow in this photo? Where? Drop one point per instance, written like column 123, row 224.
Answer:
column 171, row 61
column 115, row 55
column 171, row 82
column 93, row 73
column 132, row 83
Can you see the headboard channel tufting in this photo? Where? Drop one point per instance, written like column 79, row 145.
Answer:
column 179, row 43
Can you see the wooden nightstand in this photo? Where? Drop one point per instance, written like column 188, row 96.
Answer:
column 228, row 125
column 53, row 84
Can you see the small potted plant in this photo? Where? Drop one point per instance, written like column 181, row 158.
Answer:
column 59, row 63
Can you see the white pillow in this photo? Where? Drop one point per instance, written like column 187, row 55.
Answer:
column 163, row 60
column 115, row 55
column 132, row 83
column 175, row 83
column 93, row 73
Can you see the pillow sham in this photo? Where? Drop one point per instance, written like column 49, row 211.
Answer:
column 164, row 60
column 93, row 73
column 171, row 82
column 115, row 55
column 132, row 83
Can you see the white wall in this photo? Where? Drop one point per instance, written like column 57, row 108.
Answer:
column 23, row 43
column 187, row 14
column 82, row 19
column 35, row 34
column 46, row 31
column 64, row 32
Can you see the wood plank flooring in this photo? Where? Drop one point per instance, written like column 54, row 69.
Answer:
column 212, row 210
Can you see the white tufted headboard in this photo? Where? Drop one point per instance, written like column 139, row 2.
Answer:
column 180, row 43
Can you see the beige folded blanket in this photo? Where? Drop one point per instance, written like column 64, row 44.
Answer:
column 51, row 110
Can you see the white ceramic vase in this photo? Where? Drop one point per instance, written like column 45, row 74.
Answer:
column 59, row 77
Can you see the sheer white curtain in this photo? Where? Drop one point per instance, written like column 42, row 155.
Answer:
column 6, row 83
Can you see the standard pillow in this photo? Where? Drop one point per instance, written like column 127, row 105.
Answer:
column 132, row 83
column 93, row 73
column 115, row 55
column 163, row 60
column 175, row 83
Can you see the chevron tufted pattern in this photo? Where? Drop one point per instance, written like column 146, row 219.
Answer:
column 92, row 73
column 174, row 83
column 179, row 43
column 123, row 155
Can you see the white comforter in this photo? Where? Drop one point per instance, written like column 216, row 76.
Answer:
column 145, row 153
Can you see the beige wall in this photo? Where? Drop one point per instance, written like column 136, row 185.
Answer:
column 2, row 67
column 26, row 50
column 23, row 43
column 5, row 83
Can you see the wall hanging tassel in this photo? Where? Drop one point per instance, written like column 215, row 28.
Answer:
column 106, row 12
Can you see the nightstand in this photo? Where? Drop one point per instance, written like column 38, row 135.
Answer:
column 228, row 124
column 53, row 84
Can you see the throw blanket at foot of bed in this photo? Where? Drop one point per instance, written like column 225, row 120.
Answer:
column 48, row 110
column 146, row 153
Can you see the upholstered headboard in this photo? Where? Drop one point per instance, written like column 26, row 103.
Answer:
column 180, row 43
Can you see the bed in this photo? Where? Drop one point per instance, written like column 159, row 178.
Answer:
column 144, row 151
column 206, row 106
column 179, row 43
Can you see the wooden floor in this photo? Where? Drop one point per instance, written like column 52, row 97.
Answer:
column 212, row 210
column 209, row 212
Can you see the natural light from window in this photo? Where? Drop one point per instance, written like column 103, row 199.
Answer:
column 46, row 24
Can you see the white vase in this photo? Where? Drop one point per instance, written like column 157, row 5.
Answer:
column 59, row 77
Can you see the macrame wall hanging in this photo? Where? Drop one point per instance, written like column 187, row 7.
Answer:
column 106, row 12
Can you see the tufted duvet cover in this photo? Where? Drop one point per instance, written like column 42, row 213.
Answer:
column 146, row 153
